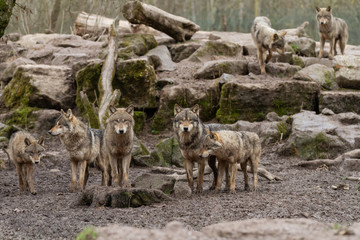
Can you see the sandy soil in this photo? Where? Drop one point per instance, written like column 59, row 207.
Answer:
column 54, row 214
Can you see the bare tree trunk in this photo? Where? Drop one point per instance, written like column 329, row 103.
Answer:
column 55, row 14
column 179, row 28
column 108, row 96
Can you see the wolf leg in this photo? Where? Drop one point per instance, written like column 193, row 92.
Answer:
column 20, row 177
column 30, row 177
column 246, row 177
column 254, row 168
column 269, row 56
column 212, row 164
column 227, row 176
column 322, row 44
column 332, row 46
column 335, row 43
column 342, row 45
column 233, row 169
column 189, row 165
column 73, row 166
column 220, row 175
column 260, row 56
column 82, row 172
column 86, row 177
column 114, row 170
column 125, row 171
column 200, row 178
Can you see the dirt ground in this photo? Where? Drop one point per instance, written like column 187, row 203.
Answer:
column 54, row 214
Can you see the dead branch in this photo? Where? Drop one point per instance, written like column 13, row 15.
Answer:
column 88, row 105
column 106, row 78
column 179, row 28
column 352, row 178
column 319, row 162
column 92, row 24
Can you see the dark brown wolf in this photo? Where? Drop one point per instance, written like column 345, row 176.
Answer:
column 266, row 39
column 118, row 143
column 84, row 147
column 25, row 151
column 333, row 29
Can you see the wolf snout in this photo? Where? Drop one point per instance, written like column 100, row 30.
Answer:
column 186, row 129
column 37, row 162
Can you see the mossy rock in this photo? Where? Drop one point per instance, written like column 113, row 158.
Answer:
column 168, row 153
column 135, row 45
column 252, row 101
column 161, row 182
column 87, row 80
column 136, row 80
column 140, row 118
column 216, row 48
column 206, row 94
column 89, row 233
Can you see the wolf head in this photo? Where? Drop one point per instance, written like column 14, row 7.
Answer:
column 278, row 41
column 211, row 143
column 64, row 124
column 186, row 119
column 323, row 15
column 121, row 119
column 34, row 149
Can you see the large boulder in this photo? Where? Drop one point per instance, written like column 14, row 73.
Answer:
column 319, row 73
column 135, row 45
column 349, row 61
column 242, row 99
column 316, row 136
column 301, row 46
column 98, row 196
column 212, row 50
column 9, row 67
column 160, row 182
column 165, row 62
column 348, row 78
column 314, row 60
column 136, row 80
column 182, row 51
column 204, row 93
column 167, row 152
column 41, row 86
column 274, row 69
column 215, row 69
column 340, row 101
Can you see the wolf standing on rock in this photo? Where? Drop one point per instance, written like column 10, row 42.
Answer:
column 230, row 148
column 118, row 143
column 25, row 151
column 83, row 144
column 333, row 29
column 266, row 39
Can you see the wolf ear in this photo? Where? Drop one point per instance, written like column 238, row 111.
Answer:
column 130, row 110
column 196, row 109
column 283, row 33
column 41, row 141
column 275, row 37
column 328, row 9
column 69, row 114
column 317, row 9
column 112, row 109
column 62, row 112
column 177, row 109
column 27, row 142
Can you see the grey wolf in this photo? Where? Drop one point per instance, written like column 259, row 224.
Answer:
column 25, row 151
column 333, row 29
column 84, row 147
column 190, row 133
column 230, row 148
column 118, row 143
column 266, row 39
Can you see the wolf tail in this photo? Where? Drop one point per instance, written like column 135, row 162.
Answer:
column 9, row 159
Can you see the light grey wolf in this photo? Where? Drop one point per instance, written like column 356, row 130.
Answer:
column 190, row 133
column 25, row 151
column 230, row 148
column 84, row 147
column 333, row 29
column 118, row 143
column 266, row 39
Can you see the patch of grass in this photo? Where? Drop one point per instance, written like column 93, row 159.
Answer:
column 336, row 226
column 87, row 234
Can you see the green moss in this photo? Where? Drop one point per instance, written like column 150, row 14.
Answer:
column 88, row 233
column 87, row 80
column 144, row 150
column 136, row 81
column 140, row 118
column 5, row 14
column 298, row 61
column 313, row 148
column 135, row 45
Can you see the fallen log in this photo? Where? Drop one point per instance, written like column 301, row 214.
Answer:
column 177, row 27
column 92, row 24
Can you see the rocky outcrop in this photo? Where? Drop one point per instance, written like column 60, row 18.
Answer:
column 135, row 45
column 320, row 74
column 340, row 101
column 9, row 67
column 182, row 51
column 213, row 50
column 348, row 78
column 242, row 99
column 215, row 69
column 322, row 136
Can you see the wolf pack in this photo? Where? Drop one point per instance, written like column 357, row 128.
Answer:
column 224, row 150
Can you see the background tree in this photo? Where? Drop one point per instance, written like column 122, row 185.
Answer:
column 6, row 7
